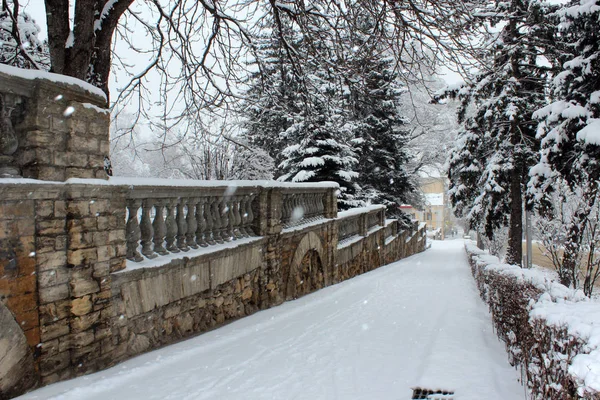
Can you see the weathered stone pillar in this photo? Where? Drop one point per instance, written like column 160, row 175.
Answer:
column 331, row 208
column 60, row 125
column 268, row 210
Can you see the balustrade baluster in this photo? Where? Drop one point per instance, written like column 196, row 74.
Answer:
column 160, row 228
column 224, row 211
column 306, row 199
column 181, row 225
column 308, row 206
column 230, row 206
column 146, row 230
column 237, row 217
column 132, row 231
column 250, row 219
column 200, row 219
column 285, row 209
column 211, row 220
column 171, row 227
column 315, row 207
column 217, row 219
column 320, row 205
column 192, row 224
column 297, row 210
column 244, row 215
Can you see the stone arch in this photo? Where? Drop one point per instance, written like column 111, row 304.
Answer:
column 17, row 371
column 306, row 272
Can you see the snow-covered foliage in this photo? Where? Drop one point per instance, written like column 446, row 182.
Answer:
column 379, row 132
column 551, row 331
column 433, row 127
column 497, row 244
column 21, row 47
column 252, row 164
column 298, row 117
column 496, row 144
column 582, row 268
column 322, row 124
column 569, row 131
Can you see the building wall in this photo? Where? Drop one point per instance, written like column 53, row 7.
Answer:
column 435, row 216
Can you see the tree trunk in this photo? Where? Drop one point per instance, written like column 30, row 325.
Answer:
column 514, row 252
column 86, row 54
column 57, row 19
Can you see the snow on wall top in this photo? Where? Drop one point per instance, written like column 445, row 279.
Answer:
column 214, row 183
column 32, row 74
column 361, row 210
column 125, row 181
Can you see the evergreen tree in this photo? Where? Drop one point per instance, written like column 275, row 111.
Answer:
column 19, row 44
column 379, row 133
column 570, row 126
column 301, row 123
column 497, row 109
column 275, row 101
column 323, row 155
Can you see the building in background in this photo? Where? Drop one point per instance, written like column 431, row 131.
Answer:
column 436, row 212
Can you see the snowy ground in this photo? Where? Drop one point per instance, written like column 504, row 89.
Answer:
column 417, row 322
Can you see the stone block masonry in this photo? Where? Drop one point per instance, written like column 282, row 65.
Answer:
column 61, row 130
column 81, row 306
column 59, row 245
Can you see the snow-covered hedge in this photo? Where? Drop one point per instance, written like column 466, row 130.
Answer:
column 551, row 332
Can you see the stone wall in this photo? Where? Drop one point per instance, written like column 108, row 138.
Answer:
column 85, row 281
column 64, row 276
column 59, row 127
column 62, row 242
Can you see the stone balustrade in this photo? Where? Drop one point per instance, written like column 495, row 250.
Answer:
column 358, row 222
column 375, row 218
column 165, row 220
column 349, row 227
column 301, row 206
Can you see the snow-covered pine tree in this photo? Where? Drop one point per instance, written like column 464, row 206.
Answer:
column 323, row 155
column 466, row 164
column 496, row 114
column 19, row 44
column 379, row 131
column 570, row 126
column 300, row 122
column 275, row 99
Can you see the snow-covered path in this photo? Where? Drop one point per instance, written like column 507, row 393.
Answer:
column 417, row 322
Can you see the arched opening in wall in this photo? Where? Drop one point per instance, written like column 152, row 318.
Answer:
column 307, row 277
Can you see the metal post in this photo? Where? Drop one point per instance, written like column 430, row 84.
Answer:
column 529, row 251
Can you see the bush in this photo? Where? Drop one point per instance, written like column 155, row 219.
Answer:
column 548, row 329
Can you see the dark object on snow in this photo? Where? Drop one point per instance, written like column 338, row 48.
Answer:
column 107, row 166
column 420, row 393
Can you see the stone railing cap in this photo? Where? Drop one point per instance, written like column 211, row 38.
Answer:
column 16, row 75
column 154, row 182
column 360, row 210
